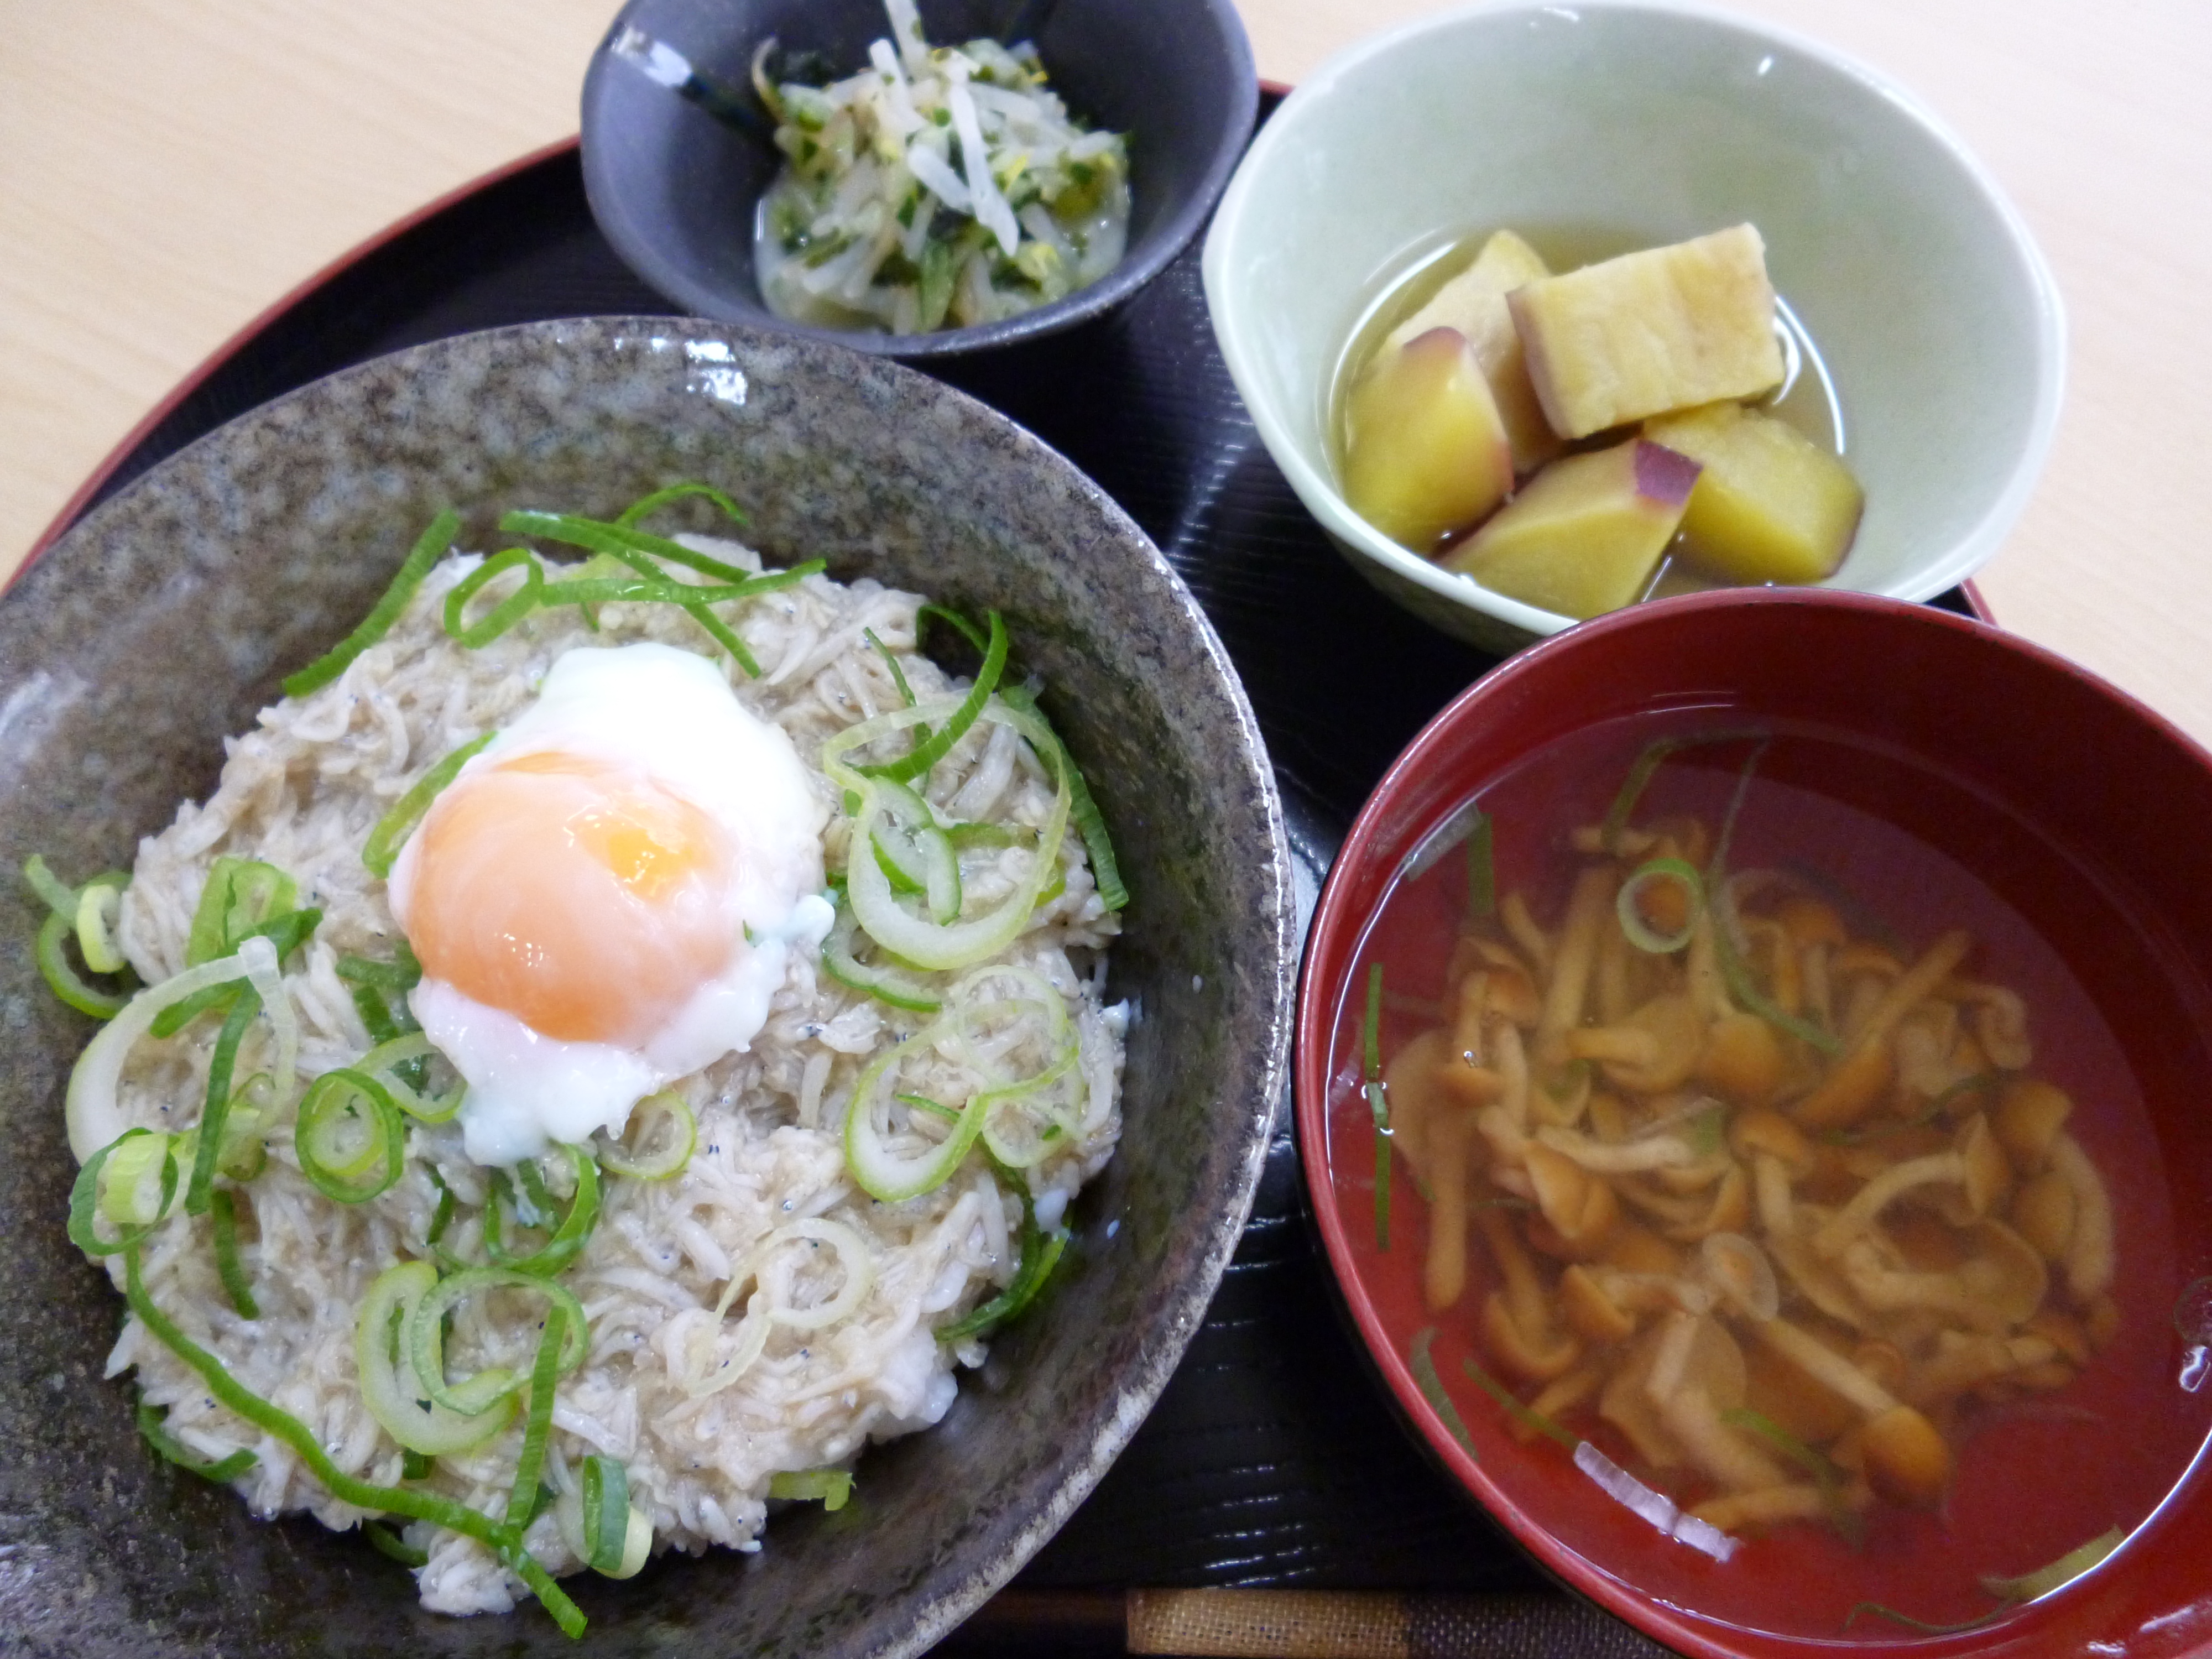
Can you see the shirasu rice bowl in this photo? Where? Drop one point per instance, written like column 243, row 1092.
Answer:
column 809, row 1278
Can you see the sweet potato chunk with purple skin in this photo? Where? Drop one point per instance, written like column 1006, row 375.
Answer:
column 1652, row 332
column 1424, row 451
column 1473, row 302
column 1770, row 506
column 1585, row 535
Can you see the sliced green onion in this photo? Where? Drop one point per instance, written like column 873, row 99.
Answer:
column 1083, row 808
column 1878, row 1610
column 286, row 933
column 423, row 1335
column 891, row 662
column 829, row 1487
column 246, row 1003
column 388, row 1386
column 616, row 1537
column 568, row 1239
column 522, row 1497
column 992, row 837
column 1718, row 865
column 411, row 1501
column 681, row 1139
column 918, row 940
column 1628, row 906
column 402, row 974
column 1648, row 762
column 644, row 506
column 1481, row 870
column 882, row 1174
column 1737, row 975
column 136, row 1189
column 621, row 536
column 222, row 1216
column 351, row 1141
column 372, row 984
column 93, row 1116
column 385, row 1542
column 1040, row 1253
column 954, row 620
column 64, row 980
column 726, row 636
column 1516, row 1409
column 244, row 1153
column 1378, row 1102
column 99, row 903
column 502, row 615
column 2064, row 1571
column 88, row 1194
column 416, row 1465
column 535, row 1208
column 394, row 827
column 890, row 1177
column 240, row 895
column 1734, row 971
column 1928, row 1114
column 666, row 590
column 441, row 1217
column 398, row 1061
column 1826, row 1475
column 1033, row 1142
column 885, row 984
column 153, row 1423
column 914, row 851
column 430, row 547
column 1370, row 1032
column 375, row 1012
column 635, row 548
column 1432, row 1390
column 672, row 593
column 67, row 915
column 927, row 752
column 58, row 896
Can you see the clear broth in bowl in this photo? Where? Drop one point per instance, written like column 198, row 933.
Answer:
column 2061, row 1451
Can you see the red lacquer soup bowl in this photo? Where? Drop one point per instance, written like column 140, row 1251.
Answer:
column 1954, row 804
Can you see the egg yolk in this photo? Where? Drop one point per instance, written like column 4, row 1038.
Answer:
column 583, row 899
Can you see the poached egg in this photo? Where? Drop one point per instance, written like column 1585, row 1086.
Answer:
column 605, row 898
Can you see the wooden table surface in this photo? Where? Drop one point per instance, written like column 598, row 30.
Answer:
column 168, row 168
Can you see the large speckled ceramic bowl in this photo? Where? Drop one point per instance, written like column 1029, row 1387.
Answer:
column 162, row 623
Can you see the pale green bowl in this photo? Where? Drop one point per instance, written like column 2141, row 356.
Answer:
column 1938, row 318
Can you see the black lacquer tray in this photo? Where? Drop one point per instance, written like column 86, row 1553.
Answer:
column 1274, row 1458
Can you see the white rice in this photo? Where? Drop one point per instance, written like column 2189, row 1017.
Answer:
column 302, row 791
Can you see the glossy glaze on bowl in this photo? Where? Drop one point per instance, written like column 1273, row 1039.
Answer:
column 1648, row 122
column 674, row 189
column 2103, row 784
column 160, row 624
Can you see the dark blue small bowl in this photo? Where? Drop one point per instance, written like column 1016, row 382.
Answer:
column 674, row 186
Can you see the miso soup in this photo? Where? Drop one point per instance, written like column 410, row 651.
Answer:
column 1763, row 1184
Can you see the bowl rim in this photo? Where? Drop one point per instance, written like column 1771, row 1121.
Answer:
column 633, row 239
column 1333, row 919
column 1359, row 540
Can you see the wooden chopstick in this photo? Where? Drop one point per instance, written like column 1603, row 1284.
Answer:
column 1275, row 1624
